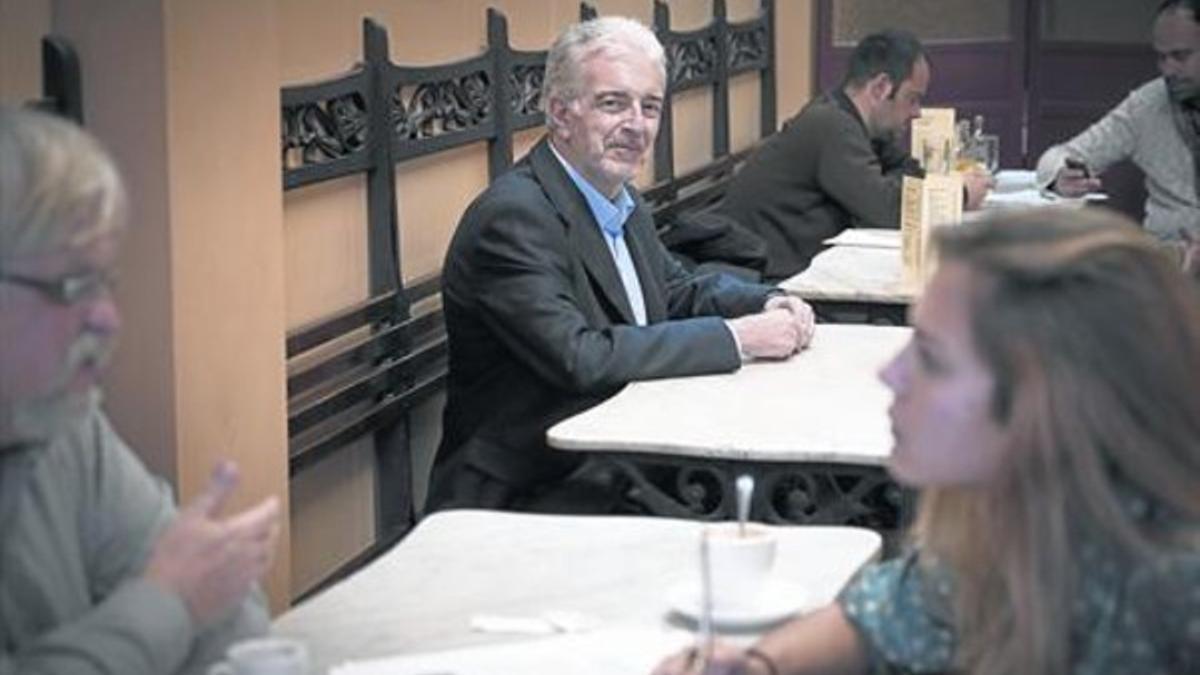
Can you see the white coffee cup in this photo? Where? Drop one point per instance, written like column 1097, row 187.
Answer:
column 264, row 656
column 739, row 564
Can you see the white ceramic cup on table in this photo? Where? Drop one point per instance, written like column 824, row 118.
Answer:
column 739, row 564
column 264, row 656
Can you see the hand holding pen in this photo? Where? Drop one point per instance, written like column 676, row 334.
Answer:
column 1075, row 179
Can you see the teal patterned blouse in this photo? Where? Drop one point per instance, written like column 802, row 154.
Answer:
column 1144, row 622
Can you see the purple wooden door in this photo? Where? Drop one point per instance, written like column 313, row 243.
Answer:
column 1085, row 56
column 976, row 51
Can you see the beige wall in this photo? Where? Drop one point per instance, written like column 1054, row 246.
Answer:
column 795, row 55
column 22, row 25
column 226, row 218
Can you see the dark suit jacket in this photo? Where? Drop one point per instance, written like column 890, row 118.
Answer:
column 817, row 176
column 540, row 328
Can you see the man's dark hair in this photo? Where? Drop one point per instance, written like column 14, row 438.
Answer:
column 1193, row 5
column 892, row 52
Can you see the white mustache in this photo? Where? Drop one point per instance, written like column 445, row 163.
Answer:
column 89, row 350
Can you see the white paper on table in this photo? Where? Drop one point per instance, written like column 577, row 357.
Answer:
column 547, row 623
column 1035, row 197
column 603, row 652
column 866, row 236
column 1019, row 198
column 1014, row 180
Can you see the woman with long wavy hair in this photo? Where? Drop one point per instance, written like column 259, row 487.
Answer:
column 1048, row 407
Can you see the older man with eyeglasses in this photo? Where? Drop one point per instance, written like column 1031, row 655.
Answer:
column 98, row 572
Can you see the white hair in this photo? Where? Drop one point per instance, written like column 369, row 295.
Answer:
column 58, row 186
column 581, row 41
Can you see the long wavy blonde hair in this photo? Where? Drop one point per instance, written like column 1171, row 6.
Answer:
column 1093, row 337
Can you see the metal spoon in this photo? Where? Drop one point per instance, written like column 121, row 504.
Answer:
column 745, row 488
column 705, row 638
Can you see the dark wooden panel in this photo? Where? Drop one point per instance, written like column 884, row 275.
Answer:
column 338, row 324
column 1091, row 72
column 62, row 85
column 306, row 411
column 308, row 449
column 973, row 76
column 363, row 350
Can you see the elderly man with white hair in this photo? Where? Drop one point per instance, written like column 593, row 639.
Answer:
column 99, row 574
column 558, row 292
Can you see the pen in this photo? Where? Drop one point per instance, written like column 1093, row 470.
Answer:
column 1073, row 163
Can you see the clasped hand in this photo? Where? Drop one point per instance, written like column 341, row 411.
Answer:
column 784, row 327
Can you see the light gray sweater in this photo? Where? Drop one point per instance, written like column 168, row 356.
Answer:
column 1142, row 129
column 78, row 518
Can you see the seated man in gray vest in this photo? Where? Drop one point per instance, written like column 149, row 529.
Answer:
column 99, row 575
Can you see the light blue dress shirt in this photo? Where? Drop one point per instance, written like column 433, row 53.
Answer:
column 611, row 215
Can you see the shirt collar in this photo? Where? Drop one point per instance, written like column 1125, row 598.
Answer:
column 610, row 215
column 842, row 99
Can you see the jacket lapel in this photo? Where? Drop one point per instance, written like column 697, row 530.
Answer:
column 582, row 231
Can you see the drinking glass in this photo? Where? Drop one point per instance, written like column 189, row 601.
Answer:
column 988, row 149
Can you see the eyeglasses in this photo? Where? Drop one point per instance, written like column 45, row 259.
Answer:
column 67, row 290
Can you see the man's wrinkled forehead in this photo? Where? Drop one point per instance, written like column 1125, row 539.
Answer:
column 618, row 48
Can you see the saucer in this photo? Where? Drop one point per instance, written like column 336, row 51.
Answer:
column 778, row 600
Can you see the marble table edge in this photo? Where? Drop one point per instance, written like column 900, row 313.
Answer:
column 555, row 438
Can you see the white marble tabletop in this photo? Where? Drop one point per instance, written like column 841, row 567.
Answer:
column 853, row 273
column 866, row 236
column 825, row 404
column 616, row 570
column 863, row 264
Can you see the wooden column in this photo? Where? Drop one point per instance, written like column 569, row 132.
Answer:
column 186, row 94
